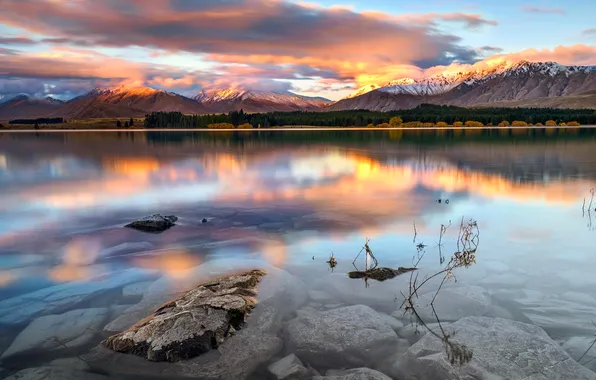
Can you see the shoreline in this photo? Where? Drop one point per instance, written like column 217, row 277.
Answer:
column 281, row 129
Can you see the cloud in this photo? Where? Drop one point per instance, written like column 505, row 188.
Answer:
column 323, row 38
column 470, row 21
column 16, row 41
column 591, row 31
column 534, row 9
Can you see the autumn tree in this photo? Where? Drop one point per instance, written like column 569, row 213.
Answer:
column 458, row 124
column 562, row 124
column 245, row 126
column 441, row 124
column 474, row 124
column 395, row 122
column 519, row 123
column 573, row 124
column 550, row 123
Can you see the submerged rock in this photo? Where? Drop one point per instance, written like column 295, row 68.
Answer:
column 579, row 345
column 380, row 274
column 354, row 374
column 198, row 321
column 351, row 336
column 154, row 223
column 289, row 367
column 501, row 349
column 68, row 330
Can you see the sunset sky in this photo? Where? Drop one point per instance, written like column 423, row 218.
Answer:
column 64, row 48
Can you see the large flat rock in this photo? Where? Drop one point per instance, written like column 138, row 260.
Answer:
column 54, row 373
column 348, row 336
column 501, row 348
column 196, row 322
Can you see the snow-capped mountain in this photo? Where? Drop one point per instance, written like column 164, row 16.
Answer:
column 125, row 101
column 26, row 106
column 227, row 100
column 519, row 81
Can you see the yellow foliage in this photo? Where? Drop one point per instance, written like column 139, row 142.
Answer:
column 412, row 124
column 384, row 125
column 245, row 126
column 562, row 125
column 458, row 124
column 504, row 123
column 551, row 123
column 442, row 124
column 518, row 123
column 396, row 121
column 573, row 124
column 371, row 125
column 539, row 125
column 221, row 126
column 474, row 124
column 428, row 125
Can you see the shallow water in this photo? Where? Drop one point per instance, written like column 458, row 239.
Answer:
column 290, row 199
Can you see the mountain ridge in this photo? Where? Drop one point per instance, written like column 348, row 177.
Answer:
column 546, row 84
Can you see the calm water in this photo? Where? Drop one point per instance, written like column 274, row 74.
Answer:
column 290, row 199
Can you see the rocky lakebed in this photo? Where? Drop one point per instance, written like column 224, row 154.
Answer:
column 244, row 319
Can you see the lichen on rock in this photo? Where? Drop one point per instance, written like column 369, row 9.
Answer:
column 196, row 322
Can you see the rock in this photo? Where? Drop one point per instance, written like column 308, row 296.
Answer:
column 576, row 347
column 288, row 367
column 394, row 323
column 198, row 321
column 380, row 274
column 54, row 373
column 351, row 336
column 320, row 296
column 501, row 349
column 455, row 303
column 231, row 361
column 155, row 223
column 56, row 299
column 136, row 289
column 204, row 220
column 71, row 329
column 278, row 288
column 279, row 295
column 354, row 374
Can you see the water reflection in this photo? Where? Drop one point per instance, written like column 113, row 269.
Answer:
column 68, row 201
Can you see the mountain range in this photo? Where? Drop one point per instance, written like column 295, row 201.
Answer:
column 522, row 84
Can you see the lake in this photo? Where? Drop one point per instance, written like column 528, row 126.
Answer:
column 290, row 200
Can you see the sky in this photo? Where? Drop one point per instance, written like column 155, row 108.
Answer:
column 64, row 48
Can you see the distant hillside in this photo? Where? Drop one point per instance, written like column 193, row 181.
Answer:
column 227, row 100
column 26, row 106
column 127, row 102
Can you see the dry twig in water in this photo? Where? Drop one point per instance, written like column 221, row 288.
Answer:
column 465, row 256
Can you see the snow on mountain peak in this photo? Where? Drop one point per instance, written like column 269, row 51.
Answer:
column 231, row 94
column 445, row 81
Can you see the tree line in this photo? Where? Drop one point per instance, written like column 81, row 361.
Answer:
column 424, row 115
column 41, row 120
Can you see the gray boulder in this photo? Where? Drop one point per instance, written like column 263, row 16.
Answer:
column 289, row 367
column 501, row 349
column 198, row 321
column 354, row 374
column 279, row 288
column 155, row 223
column 68, row 330
column 279, row 295
column 351, row 336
